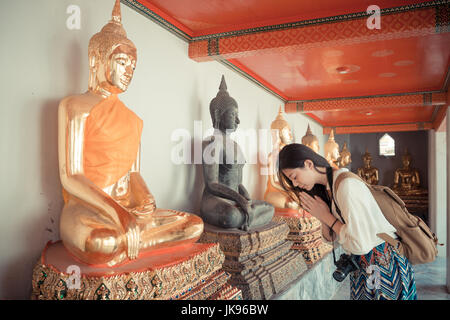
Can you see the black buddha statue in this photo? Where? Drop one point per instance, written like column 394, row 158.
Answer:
column 225, row 202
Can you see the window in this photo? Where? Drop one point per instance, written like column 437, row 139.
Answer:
column 387, row 146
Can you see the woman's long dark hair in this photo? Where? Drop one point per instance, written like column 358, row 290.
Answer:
column 293, row 156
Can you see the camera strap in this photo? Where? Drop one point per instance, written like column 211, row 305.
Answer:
column 330, row 182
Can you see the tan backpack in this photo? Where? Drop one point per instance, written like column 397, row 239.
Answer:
column 415, row 239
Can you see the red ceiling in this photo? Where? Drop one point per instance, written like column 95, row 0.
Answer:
column 201, row 17
column 407, row 56
column 374, row 116
column 412, row 65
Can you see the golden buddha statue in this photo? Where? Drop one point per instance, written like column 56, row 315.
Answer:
column 281, row 136
column 311, row 140
column 368, row 173
column 345, row 157
column 109, row 214
column 332, row 151
column 407, row 179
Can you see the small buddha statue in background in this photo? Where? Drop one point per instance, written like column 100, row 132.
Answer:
column 407, row 179
column 345, row 157
column 310, row 140
column 226, row 203
column 281, row 136
column 331, row 150
column 110, row 216
column 368, row 173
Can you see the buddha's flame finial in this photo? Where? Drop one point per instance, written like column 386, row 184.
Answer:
column 223, row 84
column 367, row 155
column 308, row 131
column 331, row 135
column 117, row 13
column 280, row 115
column 223, row 89
column 344, row 148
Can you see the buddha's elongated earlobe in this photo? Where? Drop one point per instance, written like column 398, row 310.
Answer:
column 92, row 73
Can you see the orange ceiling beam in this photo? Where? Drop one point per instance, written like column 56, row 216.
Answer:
column 413, row 23
column 373, row 102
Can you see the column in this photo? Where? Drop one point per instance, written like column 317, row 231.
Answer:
column 448, row 198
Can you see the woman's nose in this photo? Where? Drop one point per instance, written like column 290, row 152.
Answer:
column 294, row 183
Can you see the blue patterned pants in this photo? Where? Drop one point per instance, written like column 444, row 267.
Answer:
column 384, row 275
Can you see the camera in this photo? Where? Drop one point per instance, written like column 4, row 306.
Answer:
column 345, row 265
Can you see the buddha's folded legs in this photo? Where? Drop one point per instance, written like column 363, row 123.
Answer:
column 95, row 239
column 220, row 212
column 167, row 228
column 226, row 214
column 262, row 213
column 90, row 236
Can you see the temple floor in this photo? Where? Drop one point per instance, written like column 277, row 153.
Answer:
column 430, row 282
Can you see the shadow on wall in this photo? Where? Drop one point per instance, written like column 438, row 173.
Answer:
column 195, row 178
column 42, row 226
column 262, row 159
column 50, row 181
column 74, row 67
column 194, row 181
column 192, row 188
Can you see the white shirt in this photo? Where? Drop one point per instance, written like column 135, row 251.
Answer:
column 362, row 215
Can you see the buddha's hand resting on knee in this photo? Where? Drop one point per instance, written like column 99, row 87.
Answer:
column 146, row 207
column 247, row 210
column 243, row 192
column 133, row 236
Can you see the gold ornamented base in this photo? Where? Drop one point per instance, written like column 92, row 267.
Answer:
column 306, row 234
column 416, row 204
column 191, row 272
column 260, row 261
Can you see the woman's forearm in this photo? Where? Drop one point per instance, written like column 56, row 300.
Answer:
column 326, row 233
column 330, row 220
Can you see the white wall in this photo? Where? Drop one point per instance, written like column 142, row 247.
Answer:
column 437, row 182
column 43, row 62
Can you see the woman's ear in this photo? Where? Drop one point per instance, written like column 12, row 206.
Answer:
column 309, row 164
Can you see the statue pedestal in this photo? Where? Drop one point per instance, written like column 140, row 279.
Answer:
column 316, row 283
column 416, row 204
column 305, row 232
column 190, row 271
column 260, row 261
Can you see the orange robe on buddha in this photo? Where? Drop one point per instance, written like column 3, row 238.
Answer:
column 112, row 139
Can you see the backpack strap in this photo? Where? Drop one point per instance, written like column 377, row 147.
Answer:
column 393, row 242
column 384, row 236
column 336, row 183
column 345, row 175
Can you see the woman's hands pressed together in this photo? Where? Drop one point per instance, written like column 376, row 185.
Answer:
column 319, row 209
column 315, row 206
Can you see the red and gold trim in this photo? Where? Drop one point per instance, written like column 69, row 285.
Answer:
column 405, row 24
column 417, row 126
column 370, row 102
